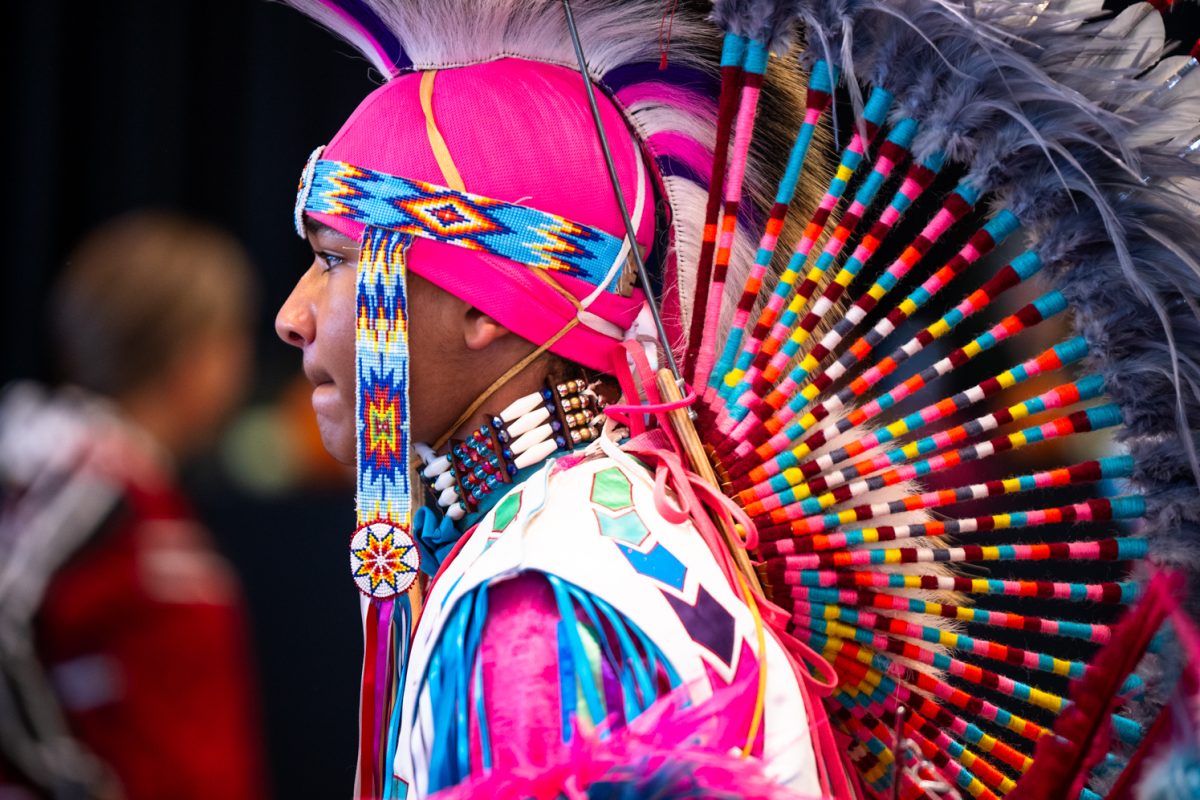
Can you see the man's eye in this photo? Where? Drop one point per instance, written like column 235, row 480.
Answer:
column 330, row 260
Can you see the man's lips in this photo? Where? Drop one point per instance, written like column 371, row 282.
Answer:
column 317, row 377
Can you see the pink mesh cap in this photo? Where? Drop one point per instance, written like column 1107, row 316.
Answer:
column 522, row 132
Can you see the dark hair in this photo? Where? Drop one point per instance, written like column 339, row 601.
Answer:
column 137, row 290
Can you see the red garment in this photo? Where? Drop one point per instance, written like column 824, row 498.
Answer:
column 137, row 623
column 152, row 599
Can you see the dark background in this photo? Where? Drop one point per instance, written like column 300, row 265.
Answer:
column 209, row 107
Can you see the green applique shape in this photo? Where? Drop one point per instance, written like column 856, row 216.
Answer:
column 611, row 489
column 506, row 511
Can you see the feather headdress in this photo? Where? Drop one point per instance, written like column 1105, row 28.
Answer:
column 1006, row 209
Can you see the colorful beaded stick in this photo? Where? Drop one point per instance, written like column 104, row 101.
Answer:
column 825, row 402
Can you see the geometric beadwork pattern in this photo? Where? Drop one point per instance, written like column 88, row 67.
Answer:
column 381, row 358
column 525, row 235
column 383, row 559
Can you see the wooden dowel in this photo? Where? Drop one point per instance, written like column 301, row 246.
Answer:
column 693, row 449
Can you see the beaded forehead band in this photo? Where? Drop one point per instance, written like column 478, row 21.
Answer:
column 530, row 237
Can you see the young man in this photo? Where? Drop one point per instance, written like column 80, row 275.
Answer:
column 570, row 591
column 585, row 583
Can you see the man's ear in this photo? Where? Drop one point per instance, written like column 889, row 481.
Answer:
column 480, row 330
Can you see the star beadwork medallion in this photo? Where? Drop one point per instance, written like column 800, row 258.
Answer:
column 384, row 560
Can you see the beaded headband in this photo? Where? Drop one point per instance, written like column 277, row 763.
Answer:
column 530, row 237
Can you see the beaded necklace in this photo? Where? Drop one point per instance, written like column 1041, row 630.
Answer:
column 559, row 417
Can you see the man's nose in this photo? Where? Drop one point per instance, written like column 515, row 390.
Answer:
column 295, row 323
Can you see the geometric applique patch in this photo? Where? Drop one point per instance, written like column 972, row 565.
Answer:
column 611, row 489
column 506, row 511
column 627, row 527
column 659, row 564
column 708, row 623
column 384, row 560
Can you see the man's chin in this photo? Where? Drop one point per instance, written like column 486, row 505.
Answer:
column 338, row 442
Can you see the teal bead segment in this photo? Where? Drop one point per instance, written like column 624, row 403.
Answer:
column 870, row 187
column 1002, row 225
column 1132, row 549
column 795, row 430
column 732, row 345
column 791, row 175
column 1133, row 685
column 738, row 412
column 935, row 161
column 1071, row 350
column 968, row 191
column 986, row 340
column 1128, row 507
column 888, row 281
column 1116, row 466
column 887, row 401
column 1050, row 304
column 787, row 460
column 903, row 132
column 1105, row 416
column 733, row 50
column 1090, row 386
column 851, row 161
column 1027, row 264
column 1127, row 730
column 1076, row 630
column 822, row 77
column 779, row 483
column 756, row 58
column 744, row 360
column 920, row 296
column 879, row 103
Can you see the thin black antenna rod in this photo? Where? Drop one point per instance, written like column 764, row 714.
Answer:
column 615, row 182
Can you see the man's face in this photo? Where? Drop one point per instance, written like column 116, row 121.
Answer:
column 319, row 318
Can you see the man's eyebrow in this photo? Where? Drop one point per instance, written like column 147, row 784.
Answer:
column 318, row 228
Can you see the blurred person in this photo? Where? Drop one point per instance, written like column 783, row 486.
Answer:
column 124, row 665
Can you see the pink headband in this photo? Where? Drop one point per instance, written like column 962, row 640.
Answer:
column 520, row 132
